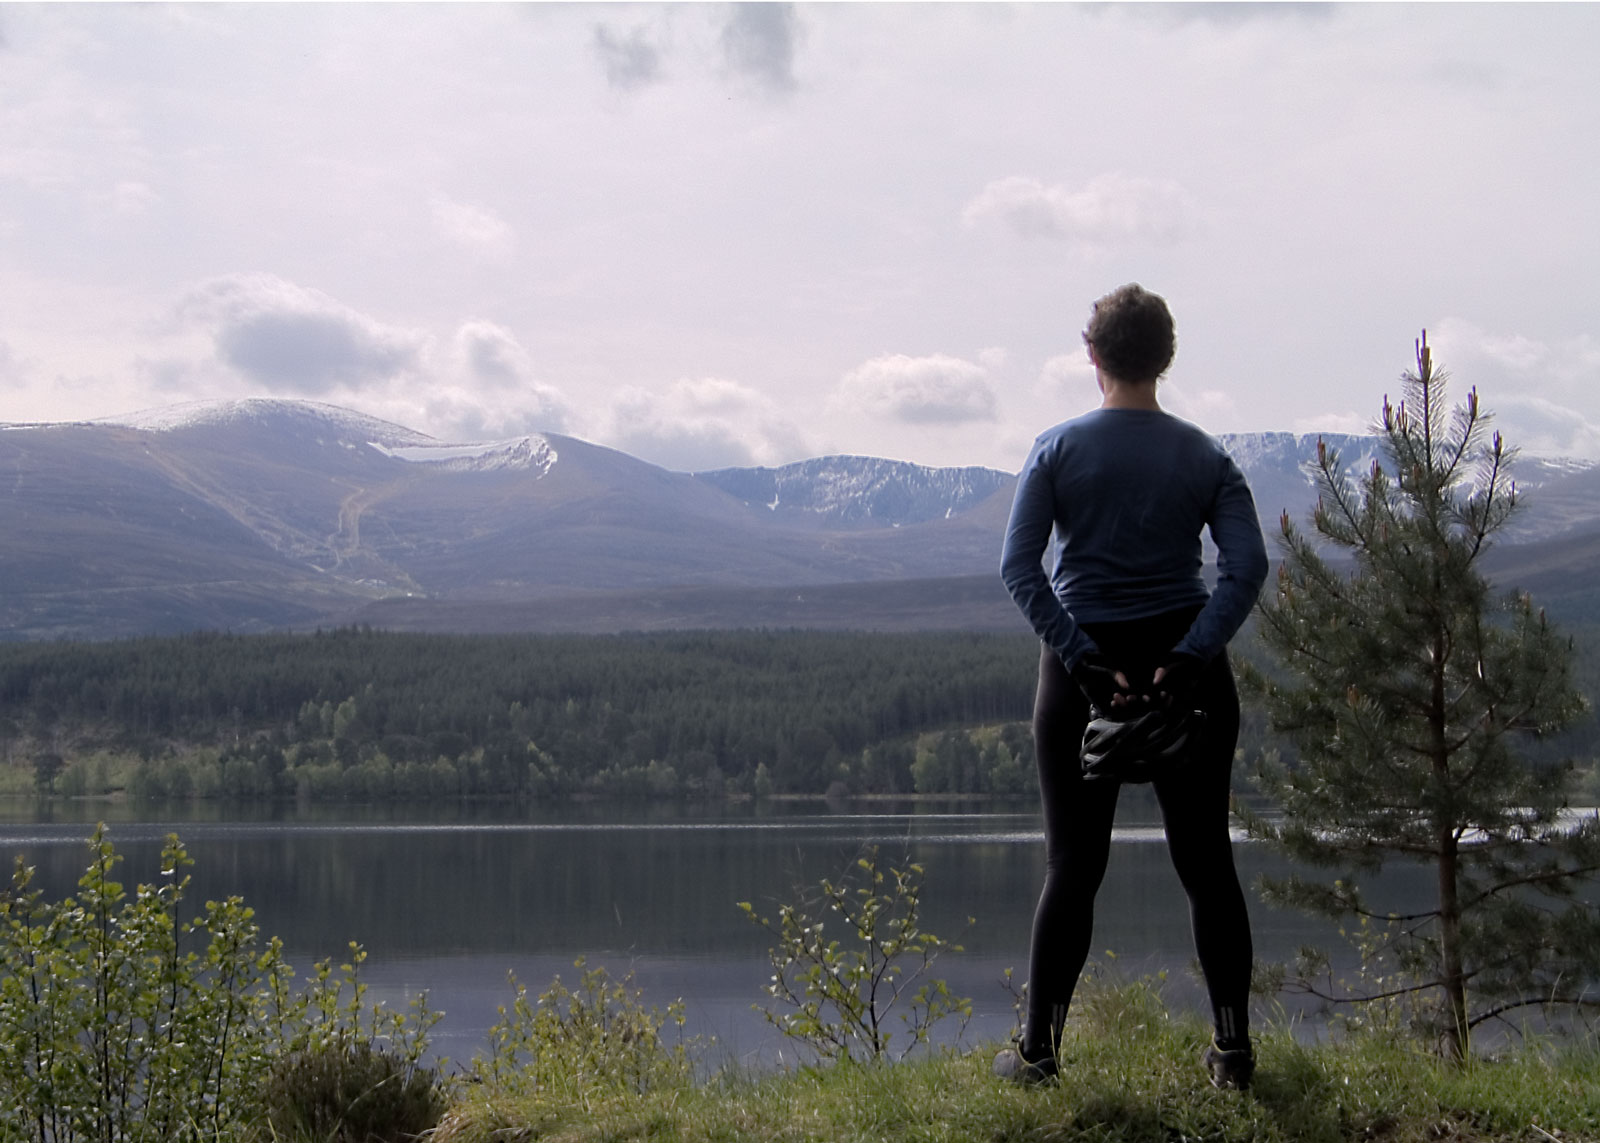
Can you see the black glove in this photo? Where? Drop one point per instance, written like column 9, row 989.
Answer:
column 1097, row 679
column 1180, row 677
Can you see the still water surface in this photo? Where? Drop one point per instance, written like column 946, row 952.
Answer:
column 450, row 899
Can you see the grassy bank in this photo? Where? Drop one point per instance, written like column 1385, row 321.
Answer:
column 1142, row 1082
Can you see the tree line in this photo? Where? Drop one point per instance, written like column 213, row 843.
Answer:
column 362, row 713
column 368, row 715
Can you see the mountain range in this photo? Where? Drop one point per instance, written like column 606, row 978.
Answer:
column 273, row 514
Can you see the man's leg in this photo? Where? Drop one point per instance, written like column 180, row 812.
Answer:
column 1078, row 816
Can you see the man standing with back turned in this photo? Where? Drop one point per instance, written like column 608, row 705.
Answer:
column 1134, row 680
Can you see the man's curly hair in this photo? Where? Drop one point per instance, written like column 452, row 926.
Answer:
column 1132, row 334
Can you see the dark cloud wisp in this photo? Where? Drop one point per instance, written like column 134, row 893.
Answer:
column 758, row 43
column 309, row 352
column 291, row 338
column 629, row 58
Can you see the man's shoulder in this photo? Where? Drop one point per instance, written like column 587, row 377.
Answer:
column 1108, row 425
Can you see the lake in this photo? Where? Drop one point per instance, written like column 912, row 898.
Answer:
column 450, row 899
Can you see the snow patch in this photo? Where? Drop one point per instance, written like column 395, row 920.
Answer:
column 526, row 452
column 859, row 490
column 345, row 423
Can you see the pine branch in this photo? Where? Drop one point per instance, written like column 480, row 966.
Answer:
column 1542, row 878
column 1334, row 483
column 1308, row 987
column 1397, row 918
column 1531, row 1001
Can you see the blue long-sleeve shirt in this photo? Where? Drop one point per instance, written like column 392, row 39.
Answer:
column 1126, row 494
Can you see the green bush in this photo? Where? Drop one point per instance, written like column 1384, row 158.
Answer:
column 597, row 1037
column 120, row 1020
column 837, row 999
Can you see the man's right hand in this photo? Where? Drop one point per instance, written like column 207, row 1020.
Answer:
column 1106, row 688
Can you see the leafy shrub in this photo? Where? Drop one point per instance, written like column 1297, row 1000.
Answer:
column 120, row 1021
column 110, row 1027
column 599, row 1036
column 842, row 996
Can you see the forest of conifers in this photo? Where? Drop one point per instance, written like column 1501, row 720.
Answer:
column 368, row 714
column 377, row 716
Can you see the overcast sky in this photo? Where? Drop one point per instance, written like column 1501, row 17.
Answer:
column 748, row 234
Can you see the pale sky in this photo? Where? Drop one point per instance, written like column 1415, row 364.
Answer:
column 749, row 234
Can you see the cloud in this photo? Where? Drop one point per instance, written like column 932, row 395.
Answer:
column 1544, row 393
column 918, row 390
column 698, row 425
column 1202, row 406
column 131, row 199
column 490, row 355
column 459, row 413
column 292, row 339
column 1461, row 347
column 170, row 377
column 1348, row 423
column 1224, row 13
column 495, row 374
column 629, row 58
column 758, row 44
column 1110, row 209
column 1539, row 427
column 475, row 227
column 1068, row 372
column 10, row 367
column 994, row 358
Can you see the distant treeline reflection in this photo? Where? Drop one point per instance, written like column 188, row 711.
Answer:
column 373, row 715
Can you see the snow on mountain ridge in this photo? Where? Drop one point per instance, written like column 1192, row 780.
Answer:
column 196, row 414
column 1253, row 452
column 524, row 452
column 1252, row 449
column 854, row 489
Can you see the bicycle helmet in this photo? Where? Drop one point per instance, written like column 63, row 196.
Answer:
column 1138, row 749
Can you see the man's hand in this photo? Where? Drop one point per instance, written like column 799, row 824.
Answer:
column 1175, row 683
column 1102, row 684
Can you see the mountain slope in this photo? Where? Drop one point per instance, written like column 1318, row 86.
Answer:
column 858, row 490
column 252, row 515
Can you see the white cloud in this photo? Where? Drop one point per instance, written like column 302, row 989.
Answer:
column 496, row 389
column 1352, row 424
column 994, row 358
column 475, row 227
column 1205, row 407
column 1532, row 425
column 1110, row 209
column 1068, row 373
column 1539, row 427
column 1228, row 14
column 296, row 340
column 1460, row 347
column 702, row 424
column 1544, row 395
column 459, row 414
column 491, row 356
column 129, row 199
column 918, row 390
column 10, row 367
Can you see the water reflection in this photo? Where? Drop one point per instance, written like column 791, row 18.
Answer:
column 451, row 901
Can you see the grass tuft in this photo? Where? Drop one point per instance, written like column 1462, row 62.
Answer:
column 1139, row 1083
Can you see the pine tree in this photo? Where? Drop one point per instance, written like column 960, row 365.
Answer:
column 1409, row 687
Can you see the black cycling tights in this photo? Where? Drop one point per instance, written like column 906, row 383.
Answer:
column 1078, row 815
